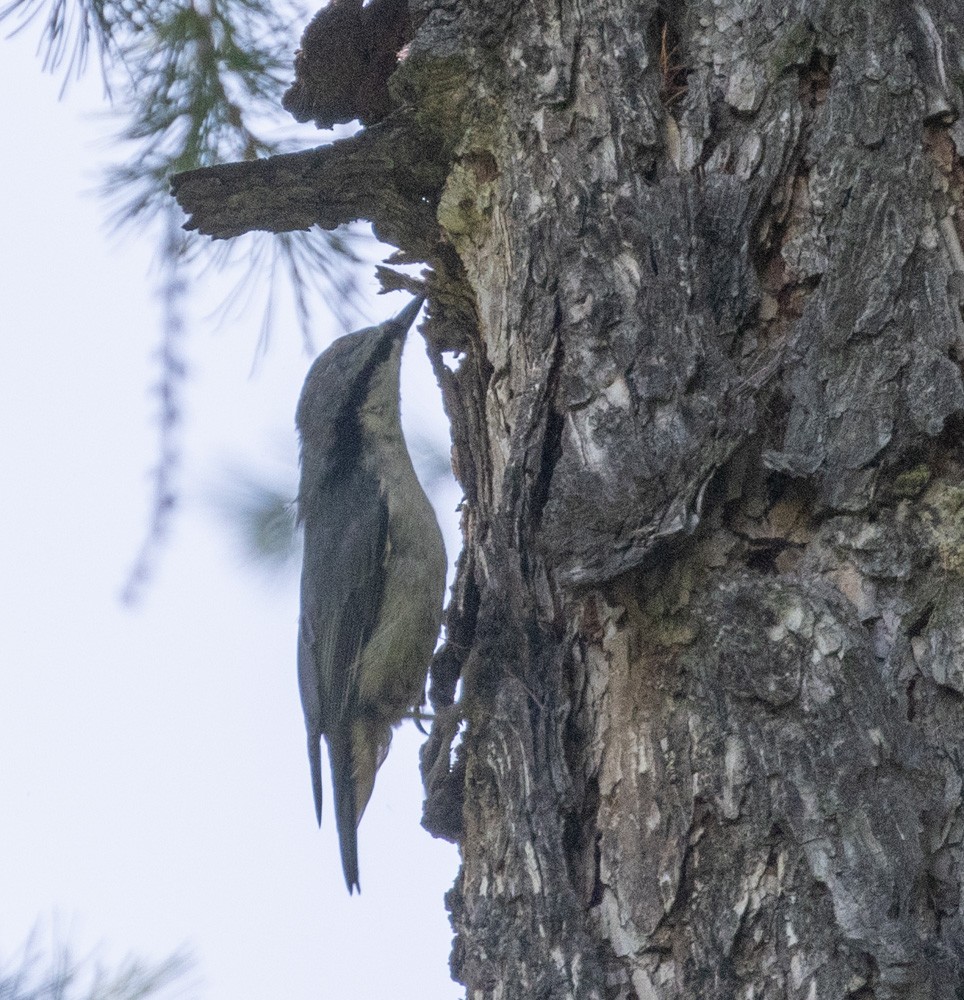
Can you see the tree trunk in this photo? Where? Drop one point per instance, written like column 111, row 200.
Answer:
column 701, row 266
column 710, row 615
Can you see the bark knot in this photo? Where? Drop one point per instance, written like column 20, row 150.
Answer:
column 348, row 52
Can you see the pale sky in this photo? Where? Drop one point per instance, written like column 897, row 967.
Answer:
column 154, row 785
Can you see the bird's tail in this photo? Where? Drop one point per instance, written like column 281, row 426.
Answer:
column 314, row 763
column 346, row 817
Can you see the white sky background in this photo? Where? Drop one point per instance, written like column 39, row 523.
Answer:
column 154, row 786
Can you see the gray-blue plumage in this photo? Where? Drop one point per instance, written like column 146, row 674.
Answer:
column 374, row 568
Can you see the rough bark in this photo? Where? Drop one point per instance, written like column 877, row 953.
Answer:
column 347, row 54
column 701, row 265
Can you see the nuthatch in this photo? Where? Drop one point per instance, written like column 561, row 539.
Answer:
column 373, row 576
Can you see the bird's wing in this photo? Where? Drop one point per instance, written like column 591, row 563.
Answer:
column 346, row 541
column 346, row 544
